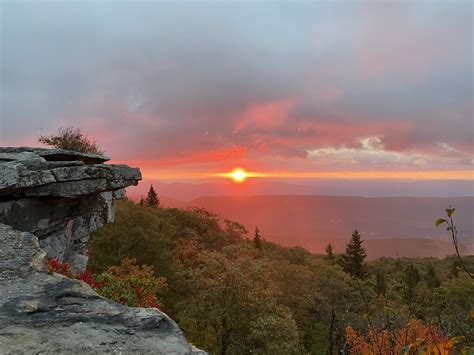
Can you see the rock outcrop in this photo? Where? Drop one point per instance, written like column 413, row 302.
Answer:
column 60, row 196
column 50, row 202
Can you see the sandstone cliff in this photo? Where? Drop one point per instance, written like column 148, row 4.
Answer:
column 50, row 202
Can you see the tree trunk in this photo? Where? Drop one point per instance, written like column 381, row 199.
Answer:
column 225, row 338
column 331, row 331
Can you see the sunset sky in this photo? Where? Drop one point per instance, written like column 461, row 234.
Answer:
column 295, row 90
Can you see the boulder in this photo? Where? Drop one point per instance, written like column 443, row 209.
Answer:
column 43, row 312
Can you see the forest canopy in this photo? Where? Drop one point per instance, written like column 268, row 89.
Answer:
column 231, row 295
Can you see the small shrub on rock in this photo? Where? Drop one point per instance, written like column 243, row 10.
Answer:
column 71, row 138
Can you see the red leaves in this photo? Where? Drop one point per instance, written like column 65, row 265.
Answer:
column 128, row 283
column 54, row 265
column 88, row 278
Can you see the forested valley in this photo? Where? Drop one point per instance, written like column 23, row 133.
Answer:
column 232, row 292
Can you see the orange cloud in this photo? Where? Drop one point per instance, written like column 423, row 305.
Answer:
column 410, row 175
column 346, row 175
column 202, row 157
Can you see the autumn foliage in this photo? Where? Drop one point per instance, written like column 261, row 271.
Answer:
column 131, row 284
column 415, row 338
column 54, row 265
column 128, row 283
column 231, row 298
column 89, row 279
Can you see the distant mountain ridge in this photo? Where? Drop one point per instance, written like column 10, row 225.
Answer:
column 391, row 226
column 366, row 188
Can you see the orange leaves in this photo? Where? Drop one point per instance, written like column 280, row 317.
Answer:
column 415, row 337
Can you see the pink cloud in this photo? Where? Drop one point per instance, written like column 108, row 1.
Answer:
column 222, row 156
column 263, row 116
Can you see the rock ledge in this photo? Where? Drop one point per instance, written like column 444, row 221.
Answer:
column 60, row 196
column 50, row 202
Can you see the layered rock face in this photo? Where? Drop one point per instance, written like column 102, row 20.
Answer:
column 50, row 202
column 60, row 196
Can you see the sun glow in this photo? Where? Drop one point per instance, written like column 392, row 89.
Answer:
column 238, row 175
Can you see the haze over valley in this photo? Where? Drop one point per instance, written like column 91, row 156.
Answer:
column 391, row 226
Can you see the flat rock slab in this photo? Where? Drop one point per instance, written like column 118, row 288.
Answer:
column 43, row 312
column 53, row 314
column 58, row 154
column 28, row 171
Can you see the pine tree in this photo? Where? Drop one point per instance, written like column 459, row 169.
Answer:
column 257, row 240
column 411, row 279
column 329, row 253
column 431, row 278
column 152, row 199
column 380, row 283
column 352, row 261
column 142, row 201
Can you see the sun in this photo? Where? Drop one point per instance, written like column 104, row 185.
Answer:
column 238, row 175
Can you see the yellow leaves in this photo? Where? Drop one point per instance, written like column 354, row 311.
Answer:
column 387, row 310
column 453, row 341
column 450, row 211
column 443, row 348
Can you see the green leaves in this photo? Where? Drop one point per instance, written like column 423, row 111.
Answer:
column 440, row 221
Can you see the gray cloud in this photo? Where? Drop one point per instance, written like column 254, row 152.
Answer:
column 163, row 79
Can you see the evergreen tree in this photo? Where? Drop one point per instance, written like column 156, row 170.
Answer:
column 142, row 201
column 257, row 240
column 398, row 263
column 329, row 253
column 411, row 278
column 152, row 199
column 431, row 278
column 380, row 283
column 352, row 261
